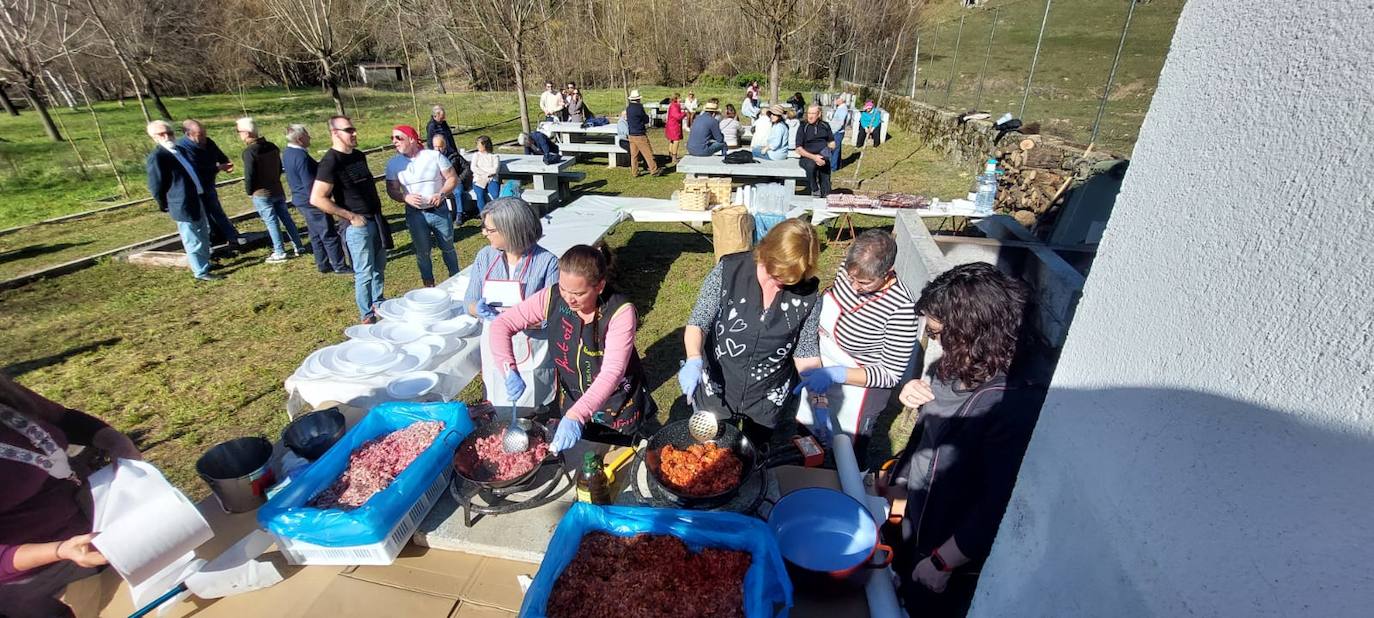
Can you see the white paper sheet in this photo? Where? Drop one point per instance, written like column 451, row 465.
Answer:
column 146, row 528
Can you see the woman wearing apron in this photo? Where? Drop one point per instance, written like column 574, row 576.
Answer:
column 592, row 336
column 753, row 327
column 868, row 330
column 512, row 268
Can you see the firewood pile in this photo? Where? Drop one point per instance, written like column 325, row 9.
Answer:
column 1035, row 175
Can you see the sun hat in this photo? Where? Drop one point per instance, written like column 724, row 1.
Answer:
column 711, row 106
column 777, row 110
column 634, row 95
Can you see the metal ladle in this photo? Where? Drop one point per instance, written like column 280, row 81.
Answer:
column 516, row 439
column 701, row 425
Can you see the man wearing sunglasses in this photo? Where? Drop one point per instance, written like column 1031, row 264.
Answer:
column 344, row 187
column 421, row 179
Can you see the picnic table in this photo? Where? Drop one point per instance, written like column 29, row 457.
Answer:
column 574, row 138
column 786, row 171
column 550, row 179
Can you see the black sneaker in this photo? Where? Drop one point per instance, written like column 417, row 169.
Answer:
column 344, row 271
column 210, row 277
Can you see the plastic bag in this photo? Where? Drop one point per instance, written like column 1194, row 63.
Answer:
column 287, row 515
column 767, row 589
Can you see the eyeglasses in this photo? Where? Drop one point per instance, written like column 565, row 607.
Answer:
column 398, row 138
column 348, row 130
column 488, row 230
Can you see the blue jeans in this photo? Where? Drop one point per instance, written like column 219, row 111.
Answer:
column 835, row 154
column 486, row 194
column 712, row 147
column 369, row 265
column 195, row 238
column 272, row 209
column 430, row 228
column 218, row 220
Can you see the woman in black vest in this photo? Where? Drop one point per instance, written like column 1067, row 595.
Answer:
column 591, row 334
column 754, row 327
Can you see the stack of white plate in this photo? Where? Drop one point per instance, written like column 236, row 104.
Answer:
column 422, row 306
column 359, row 359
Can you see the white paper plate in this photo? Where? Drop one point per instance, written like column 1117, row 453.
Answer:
column 461, row 326
column 412, row 385
column 362, row 358
column 361, row 332
column 411, row 310
column 391, row 310
column 409, row 363
column 310, row 368
column 428, row 297
column 437, row 345
column 396, row 332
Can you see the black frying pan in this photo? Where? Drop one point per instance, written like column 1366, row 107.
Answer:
column 675, row 433
column 481, row 473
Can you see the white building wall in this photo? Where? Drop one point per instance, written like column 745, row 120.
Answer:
column 1208, row 444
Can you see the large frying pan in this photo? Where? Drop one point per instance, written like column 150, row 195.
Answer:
column 676, row 434
column 480, row 473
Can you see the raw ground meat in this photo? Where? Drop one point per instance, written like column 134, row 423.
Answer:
column 489, row 461
column 374, row 465
column 649, row 575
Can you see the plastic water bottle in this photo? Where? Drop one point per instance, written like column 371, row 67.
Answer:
column 987, row 189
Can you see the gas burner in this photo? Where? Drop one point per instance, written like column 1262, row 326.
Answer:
column 757, row 488
column 549, row 483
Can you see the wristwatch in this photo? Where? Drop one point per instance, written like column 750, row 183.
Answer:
column 939, row 562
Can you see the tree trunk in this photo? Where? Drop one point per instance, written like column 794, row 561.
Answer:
column 5, row 100
column 332, row 84
column 434, row 68
column 36, row 100
column 518, row 64
column 99, row 129
column 774, row 69
column 119, row 54
column 157, row 98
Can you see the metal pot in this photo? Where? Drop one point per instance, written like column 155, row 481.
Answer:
column 466, row 464
column 676, row 434
column 827, row 537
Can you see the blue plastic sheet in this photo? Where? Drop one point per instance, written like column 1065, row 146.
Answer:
column 767, row 589
column 287, row 515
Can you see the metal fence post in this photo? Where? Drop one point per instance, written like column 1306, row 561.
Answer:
column 1025, row 94
column 1111, row 76
column 982, row 73
column 915, row 66
column 954, row 65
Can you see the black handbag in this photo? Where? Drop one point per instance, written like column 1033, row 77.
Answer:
column 739, row 156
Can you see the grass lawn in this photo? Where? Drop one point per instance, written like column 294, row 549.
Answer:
column 182, row 366
column 899, row 166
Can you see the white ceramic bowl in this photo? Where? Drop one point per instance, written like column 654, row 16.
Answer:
column 461, row 326
column 396, row 332
column 426, row 297
column 361, row 332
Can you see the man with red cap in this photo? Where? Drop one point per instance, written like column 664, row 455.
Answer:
column 421, row 179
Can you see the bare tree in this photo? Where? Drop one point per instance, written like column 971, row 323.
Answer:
column 609, row 24
column 510, row 26
column 27, row 29
column 97, row 17
column 327, row 30
column 777, row 21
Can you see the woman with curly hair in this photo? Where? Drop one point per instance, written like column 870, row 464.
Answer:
column 953, row 480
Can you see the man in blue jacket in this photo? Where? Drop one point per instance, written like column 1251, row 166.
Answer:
column 638, row 121
column 300, row 168
column 208, row 160
column 177, row 189
column 706, row 138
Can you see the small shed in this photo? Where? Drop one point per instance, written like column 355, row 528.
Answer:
column 380, row 72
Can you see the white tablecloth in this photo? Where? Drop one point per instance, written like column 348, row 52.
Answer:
column 456, row 369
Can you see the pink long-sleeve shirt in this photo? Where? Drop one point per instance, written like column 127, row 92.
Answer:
column 620, row 343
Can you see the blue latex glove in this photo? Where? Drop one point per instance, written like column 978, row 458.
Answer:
column 818, row 380
column 569, row 432
column 821, row 425
column 515, row 385
column 689, row 376
column 485, row 311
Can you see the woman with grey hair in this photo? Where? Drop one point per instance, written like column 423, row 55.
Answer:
column 511, row 268
column 867, row 336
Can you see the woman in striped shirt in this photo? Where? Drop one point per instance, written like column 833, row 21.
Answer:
column 868, row 331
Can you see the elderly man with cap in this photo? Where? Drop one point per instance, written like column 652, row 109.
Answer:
column 638, row 121
column 262, row 181
column 706, row 138
column 420, row 179
column 177, row 189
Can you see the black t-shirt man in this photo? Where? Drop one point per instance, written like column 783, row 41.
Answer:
column 354, row 188
column 814, row 138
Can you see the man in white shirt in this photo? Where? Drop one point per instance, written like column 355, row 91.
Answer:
column 551, row 103
column 421, row 179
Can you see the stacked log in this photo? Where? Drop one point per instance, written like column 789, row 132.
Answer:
column 1035, row 174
